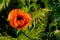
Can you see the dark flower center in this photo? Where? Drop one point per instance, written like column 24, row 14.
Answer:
column 19, row 18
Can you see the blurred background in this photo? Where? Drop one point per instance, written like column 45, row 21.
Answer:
column 45, row 23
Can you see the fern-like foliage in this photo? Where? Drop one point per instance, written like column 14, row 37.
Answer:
column 4, row 4
column 38, row 24
column 45, row 22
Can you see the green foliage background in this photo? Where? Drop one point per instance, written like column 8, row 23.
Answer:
column 45, row 24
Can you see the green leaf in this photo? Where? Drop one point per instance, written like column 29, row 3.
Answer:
column 4, row 4
column 38, row 24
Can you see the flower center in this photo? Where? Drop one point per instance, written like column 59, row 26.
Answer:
column 19, row 18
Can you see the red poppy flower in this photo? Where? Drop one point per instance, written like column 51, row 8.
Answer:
column 19, row 19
